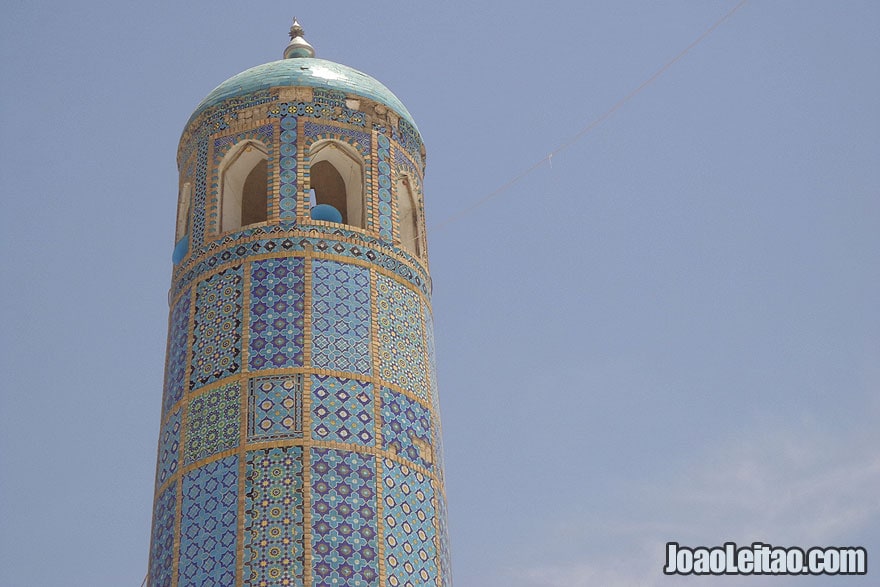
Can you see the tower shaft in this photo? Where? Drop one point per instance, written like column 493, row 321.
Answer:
column 300, row 436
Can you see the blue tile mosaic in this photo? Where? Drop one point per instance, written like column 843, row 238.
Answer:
column 231, row 248
column 216, row 115
column 276, row 311
column 264, row 134
column 169, row 449
column 217, row 329
column 305, row 72
column 384, row 192
column 162, row 542
column 213, row 422
column 185, row 154
column 315, row 109
column 404, row 164
column 209, row 515
column 288, row 171
column 358, row 139
column 445, row 561
column 273, row 526
column 341, row 317
column 410, row 552
column 275, row 407
column 445, row 550
column 178, row 333
column 408, row 137
column 200, row 195
column 342, row 410
column 401, row 340
column 436, row 433
column 344, row 530
column 406, row 428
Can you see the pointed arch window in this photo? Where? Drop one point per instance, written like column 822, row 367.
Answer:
column 184, row 211
column 408, row 216
column 244, row 183
column 336, row 175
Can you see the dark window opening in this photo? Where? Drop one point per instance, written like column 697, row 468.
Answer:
column 329, row 187
column 253, row 198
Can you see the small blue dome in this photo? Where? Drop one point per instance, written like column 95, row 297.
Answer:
column 304, row 71
column 326, row 212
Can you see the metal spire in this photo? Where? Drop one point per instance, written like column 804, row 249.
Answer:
column 298, row 46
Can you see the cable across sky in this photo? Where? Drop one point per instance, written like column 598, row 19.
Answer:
column 584, row 131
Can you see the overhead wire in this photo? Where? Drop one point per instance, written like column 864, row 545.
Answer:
column 606, row 115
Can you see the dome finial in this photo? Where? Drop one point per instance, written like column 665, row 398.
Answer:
column 298, row 46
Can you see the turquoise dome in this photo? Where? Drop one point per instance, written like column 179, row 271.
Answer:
column 304, row 71
column 326, row 212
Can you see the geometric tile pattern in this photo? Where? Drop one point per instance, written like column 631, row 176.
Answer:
column 436, row 433
column 275, row 407
column 408, row 138
column 178, row 328
column 198, row 205
column 287, row 203
column 218, row 117
column 217, row 330
column 384, row 155
column 273, row 540
column 432, row 368
column 344, row 530
column 341, row 317
column 162, row 542
column 169, row 448
column 445, row 552
column 342, row 410
column 403, row 164
column 357, row 139
column 406, row 427
column 212, row 422
column 276, row 306
column 186, row 152
column 273, row 238
column 318, row 109
column 401, row 350
column 410, row 552
column 208, row 524
column 223, row 144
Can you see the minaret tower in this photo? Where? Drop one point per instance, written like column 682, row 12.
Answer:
column 300, row 431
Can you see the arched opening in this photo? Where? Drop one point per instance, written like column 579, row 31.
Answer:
column 336, row 175
column 329, row 187
column 408, row 217
column 244, row 187
column 253, row 197
column 184, row 210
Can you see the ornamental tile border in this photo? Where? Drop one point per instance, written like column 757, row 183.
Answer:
column 248, row 243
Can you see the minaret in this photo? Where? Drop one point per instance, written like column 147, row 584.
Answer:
column 300, row 432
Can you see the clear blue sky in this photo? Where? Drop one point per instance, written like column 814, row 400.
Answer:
column 672, row 333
